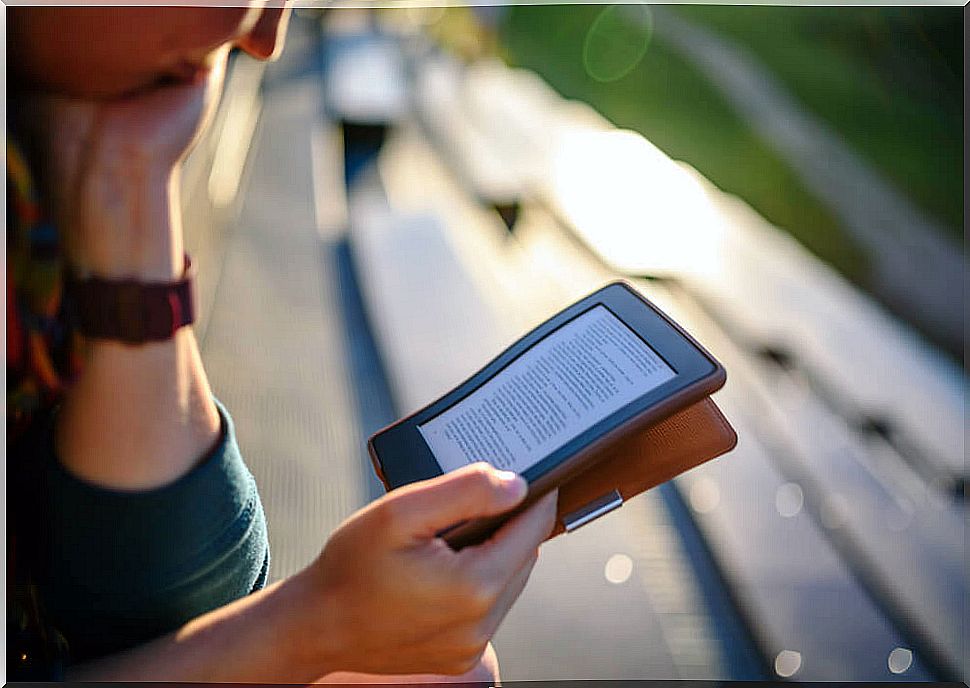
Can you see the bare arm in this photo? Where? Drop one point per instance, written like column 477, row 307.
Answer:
column 385, row 597
column 251, row 640
column 139, row 416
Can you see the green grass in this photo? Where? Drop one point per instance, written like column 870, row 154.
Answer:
column 677, row 109
column 889, row 80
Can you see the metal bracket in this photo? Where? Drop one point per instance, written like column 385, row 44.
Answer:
column 592, row 511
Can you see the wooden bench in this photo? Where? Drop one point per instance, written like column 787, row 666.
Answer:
column 429, row 259
column 837, row 525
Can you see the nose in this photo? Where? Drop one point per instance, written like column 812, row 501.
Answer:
column 265, row 40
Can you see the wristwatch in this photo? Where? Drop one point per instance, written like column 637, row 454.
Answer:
column 131, row 311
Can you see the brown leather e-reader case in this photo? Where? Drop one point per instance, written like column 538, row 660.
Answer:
column 678, row 429
column 643, row 460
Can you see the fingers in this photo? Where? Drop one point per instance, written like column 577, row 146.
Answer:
column 473, row 635
column 421, row 510
column 516, row 541
column 510, row 594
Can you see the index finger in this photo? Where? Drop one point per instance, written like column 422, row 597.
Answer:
column 517, row 540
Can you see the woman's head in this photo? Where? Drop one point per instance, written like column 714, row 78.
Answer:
column 106, row 52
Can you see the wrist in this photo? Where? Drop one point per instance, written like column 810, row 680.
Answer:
column 127, row 224
column 312, row 641
column 131, row 310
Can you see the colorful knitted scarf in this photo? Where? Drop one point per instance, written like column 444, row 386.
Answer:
column 43, row 351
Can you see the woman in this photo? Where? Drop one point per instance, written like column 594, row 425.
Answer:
column 137, row 530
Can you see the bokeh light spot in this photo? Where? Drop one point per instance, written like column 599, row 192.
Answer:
column 618, row 569
column 789, row 499
column 616, row 41
column 900, row 659
column 787, row 663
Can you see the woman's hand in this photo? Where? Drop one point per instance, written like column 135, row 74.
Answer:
column 387, row 596
column 109, row 172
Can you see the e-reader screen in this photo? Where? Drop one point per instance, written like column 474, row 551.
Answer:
column 566, row 383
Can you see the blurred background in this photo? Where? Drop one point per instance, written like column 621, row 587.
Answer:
column 407, row 191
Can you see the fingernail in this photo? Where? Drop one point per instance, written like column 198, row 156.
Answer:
column 513, row 483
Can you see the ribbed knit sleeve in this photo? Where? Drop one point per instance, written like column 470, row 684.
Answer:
column 117, row 568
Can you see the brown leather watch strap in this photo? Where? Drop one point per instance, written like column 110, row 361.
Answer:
column 130, row 311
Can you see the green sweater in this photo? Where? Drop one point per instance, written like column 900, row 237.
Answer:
column 115, row 569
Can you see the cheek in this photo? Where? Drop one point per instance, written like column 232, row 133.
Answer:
column 104, row 51
column 198, row 29
column 75, row 51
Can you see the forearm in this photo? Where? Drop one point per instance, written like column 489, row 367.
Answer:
column 384, row 597
column 254, row 640
column 139, row 416
column 260, row 638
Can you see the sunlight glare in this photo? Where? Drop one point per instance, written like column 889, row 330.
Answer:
column 633, row 205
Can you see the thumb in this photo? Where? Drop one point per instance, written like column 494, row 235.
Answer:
column 423, row 509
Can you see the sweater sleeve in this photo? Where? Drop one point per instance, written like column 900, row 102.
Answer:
column 117, row 568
